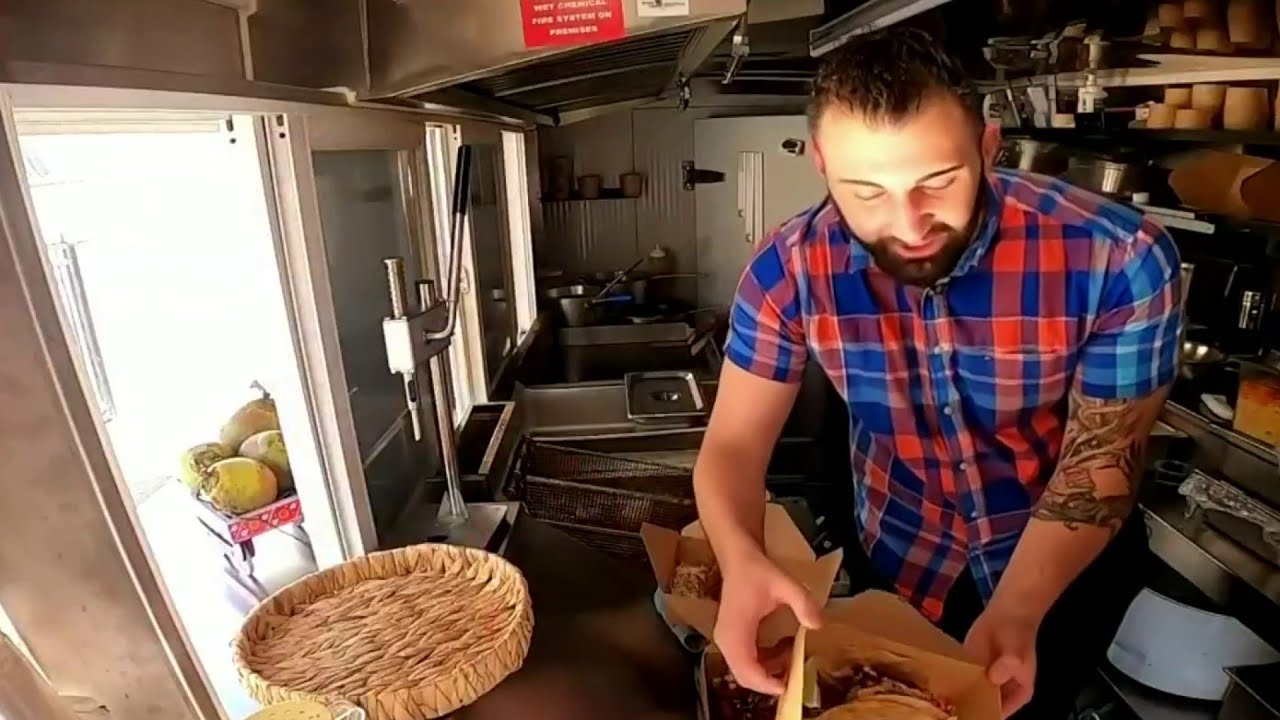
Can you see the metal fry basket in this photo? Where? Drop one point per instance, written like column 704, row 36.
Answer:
column 602, row 499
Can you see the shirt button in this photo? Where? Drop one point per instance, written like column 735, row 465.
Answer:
column 947, row 411
column 964, row 467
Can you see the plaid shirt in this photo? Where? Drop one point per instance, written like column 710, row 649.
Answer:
column 957, row 393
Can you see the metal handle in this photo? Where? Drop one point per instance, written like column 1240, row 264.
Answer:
column 461, row 201
column 617, row 278
column 395, row 284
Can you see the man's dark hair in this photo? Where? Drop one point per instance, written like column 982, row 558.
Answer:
column 886, row 75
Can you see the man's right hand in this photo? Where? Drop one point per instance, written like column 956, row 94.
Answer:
column 753, row 587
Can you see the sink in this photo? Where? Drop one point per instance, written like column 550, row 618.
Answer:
column 625, row 334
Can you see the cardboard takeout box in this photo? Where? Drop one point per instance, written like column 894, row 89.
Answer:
column 882, row 630
column 1229, row 183
column 784, row 544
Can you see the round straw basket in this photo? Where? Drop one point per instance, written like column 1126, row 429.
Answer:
column 406, row 634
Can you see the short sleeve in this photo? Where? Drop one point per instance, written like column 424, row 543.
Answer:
column 1133, row 347
column 766, row 334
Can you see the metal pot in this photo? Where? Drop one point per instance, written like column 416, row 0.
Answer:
column 579, row 311
column 565, row 291
column 1108, row 177
column 640, row 286
column 1033, row 156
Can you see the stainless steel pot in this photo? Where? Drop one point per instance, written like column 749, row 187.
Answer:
column 1108, row 177
column 566, row 291
column 579, row 311
column 1033, row 156
column 640, row 286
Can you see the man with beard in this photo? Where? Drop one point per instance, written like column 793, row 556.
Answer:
column 1004, row 343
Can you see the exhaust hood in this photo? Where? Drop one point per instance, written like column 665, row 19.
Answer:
column 477, row 49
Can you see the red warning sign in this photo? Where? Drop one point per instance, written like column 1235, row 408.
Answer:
column 571, row 22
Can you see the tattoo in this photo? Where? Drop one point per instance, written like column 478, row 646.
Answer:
column 1102, row 437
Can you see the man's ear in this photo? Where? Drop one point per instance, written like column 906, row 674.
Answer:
column 818, row 162
column 990, row 144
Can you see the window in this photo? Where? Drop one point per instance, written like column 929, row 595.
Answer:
column 489, row 326
column 520, row 232
column 466, row 364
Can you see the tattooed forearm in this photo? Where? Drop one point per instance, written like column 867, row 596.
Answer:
column 1097, row 477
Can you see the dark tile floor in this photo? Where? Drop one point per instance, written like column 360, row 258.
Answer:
column 210, row 602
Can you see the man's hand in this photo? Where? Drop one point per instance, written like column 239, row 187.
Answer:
column 752, row 588
column 1005, row 641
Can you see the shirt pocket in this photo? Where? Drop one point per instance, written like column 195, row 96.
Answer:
column 1002, row 387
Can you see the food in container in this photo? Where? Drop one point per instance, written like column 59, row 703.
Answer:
column 696, row 580
column 855, row 689
column 1258, row 404
column 875, row 657
column 696, row 603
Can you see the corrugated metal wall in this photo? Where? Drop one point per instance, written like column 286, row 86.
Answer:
column 587, row 236
column 593, row 236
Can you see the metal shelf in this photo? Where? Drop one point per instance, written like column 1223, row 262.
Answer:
column 1141, row 136
column 1172, row 69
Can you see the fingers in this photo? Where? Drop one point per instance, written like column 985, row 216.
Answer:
column 738, row 645
column 794, row 595
column 1016, row 680
column 1002, row 670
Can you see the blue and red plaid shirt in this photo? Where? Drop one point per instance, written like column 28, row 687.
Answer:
column 957, row 393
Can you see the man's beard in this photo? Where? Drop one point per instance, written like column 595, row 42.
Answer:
column 925, row 272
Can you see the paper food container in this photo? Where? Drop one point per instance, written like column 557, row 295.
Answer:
column 784, row 544
column 882, row 630
column 1228, row 183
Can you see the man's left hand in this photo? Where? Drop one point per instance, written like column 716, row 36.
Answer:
column 1005, row 640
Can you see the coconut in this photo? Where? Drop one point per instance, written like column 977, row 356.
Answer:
column 240, row 485
column 268, row 448
column 196, row 461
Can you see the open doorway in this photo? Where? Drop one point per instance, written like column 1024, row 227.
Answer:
column 159, row 242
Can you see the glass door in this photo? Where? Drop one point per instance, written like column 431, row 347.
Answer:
column 372, row 201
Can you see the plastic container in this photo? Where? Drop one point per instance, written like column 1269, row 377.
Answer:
column 1258, row 404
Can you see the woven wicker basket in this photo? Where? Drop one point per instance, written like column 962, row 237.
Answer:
column 406, row 634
